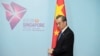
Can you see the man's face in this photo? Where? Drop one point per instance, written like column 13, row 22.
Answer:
column 61, row 24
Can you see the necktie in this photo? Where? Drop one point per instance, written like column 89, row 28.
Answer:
column 59, row 35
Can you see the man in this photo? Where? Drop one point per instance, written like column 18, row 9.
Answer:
column 64, row 46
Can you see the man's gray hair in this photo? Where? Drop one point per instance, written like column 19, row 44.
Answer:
column 61, row 16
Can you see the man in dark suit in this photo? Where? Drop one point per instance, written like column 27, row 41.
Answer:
column 64, row 46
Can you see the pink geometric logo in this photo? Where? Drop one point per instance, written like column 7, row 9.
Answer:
column 14, row 13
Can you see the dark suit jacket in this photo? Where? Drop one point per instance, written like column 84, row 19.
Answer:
column 64, row 46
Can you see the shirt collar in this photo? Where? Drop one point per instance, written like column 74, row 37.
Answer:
column 64, row 29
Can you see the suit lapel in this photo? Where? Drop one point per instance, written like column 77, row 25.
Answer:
column 62, row 36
